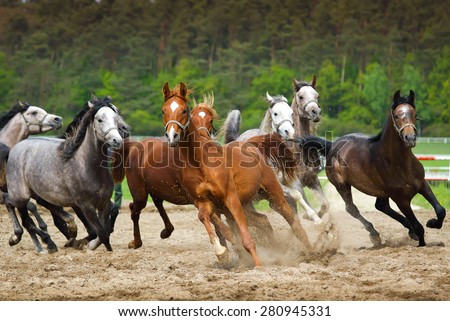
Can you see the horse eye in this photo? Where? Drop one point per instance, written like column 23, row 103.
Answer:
column 162, row 112
column 275, row 114
column 184, row 111
column 301, row 97
column 34, row 113
column 396, row 117
column 99, row 120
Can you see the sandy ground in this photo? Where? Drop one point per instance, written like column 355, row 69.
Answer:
column 184, row 267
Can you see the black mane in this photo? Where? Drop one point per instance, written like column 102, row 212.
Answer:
column 17, row 108
column 74, row 136
column 301, row 84
column 277, row 99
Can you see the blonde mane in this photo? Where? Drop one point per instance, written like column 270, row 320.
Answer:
column 207, row 105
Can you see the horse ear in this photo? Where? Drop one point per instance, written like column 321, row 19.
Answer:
column 396, row 96
column 412, row 97
column 166, row 90
column 183, row 89
column 93, row 97
column 269, row 98
column 313, row 81
column 21, row 104
column 90, row 104
column 295, row 82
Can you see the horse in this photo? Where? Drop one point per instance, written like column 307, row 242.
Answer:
column 281, row 114
column 16, row 125
column 307, row 113
column 60, row 217
column 382, row 166
column 153, row 168
column 222, row 178
column 71, row 172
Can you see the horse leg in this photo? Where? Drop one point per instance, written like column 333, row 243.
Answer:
column 382, row 204
column 205, row 210
column 98, row 224
column 296, row 191
column 33, row 209
column 136, row 207
column 64, row 221
column 113, row 215
column 346, row 193
column 260, row 221
column 316, row 188
column 426, row 192
column 405, row 207
column 91, row 233
column 233, row 205
column 34, row 231
column 279, row 203
column 223, row 232
column 168, row 227
column 17, row 228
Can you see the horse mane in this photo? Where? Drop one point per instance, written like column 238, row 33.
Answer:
column 207, row 104
column 299, row 84
column 75, row 122
column 74, row 140
column 7, row 116
column 402, row 100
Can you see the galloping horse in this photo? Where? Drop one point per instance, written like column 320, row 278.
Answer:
column 16, row 125
column 280, row 118
column 221, row 179
column 307, row 111
column 382, row 166
column 153, row 168
column 71, row 172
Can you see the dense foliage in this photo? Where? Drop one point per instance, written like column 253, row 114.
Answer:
column 55, row 53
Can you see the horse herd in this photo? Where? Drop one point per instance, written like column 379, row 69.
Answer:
column 189, row 166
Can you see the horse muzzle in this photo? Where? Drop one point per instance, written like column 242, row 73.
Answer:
column 410, row 140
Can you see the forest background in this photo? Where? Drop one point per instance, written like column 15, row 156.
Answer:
column 55, row 53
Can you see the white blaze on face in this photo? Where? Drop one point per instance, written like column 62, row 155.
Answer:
column 202, row 114
column 174, row 106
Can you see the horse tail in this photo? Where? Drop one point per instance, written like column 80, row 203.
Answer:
column 323, row 146
column 275, row 150
column 231, row 126
column 119, row 161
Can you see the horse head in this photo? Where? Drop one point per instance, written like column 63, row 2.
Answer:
column 306, row 100
column 203, row 115
column 107, row 122
column 282, row 116
column 176, row 114
column 37, row 119
column 404, row 117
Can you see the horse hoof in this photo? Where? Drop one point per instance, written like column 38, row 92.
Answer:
column 52, row 250
column 14, row 240
column 134, row 245
column 434, row 223
column 224, row 257
column 413, row 235
column 166, row 233
column 94, row 244
column 375, row 239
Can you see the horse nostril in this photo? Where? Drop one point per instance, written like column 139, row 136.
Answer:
column 175, row 135
column 58, row 119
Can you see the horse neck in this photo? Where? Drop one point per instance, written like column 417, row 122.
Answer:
column 266, row 124
column 191, row 145
column 302, row 125
column 15, row 131
column 391, row 144
column 92, row 151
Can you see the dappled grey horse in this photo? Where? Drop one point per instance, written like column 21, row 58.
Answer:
column 16, row 125
column 71, row 172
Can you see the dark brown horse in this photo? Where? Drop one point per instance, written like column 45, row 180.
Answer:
column 223, row 178
column 382, row 166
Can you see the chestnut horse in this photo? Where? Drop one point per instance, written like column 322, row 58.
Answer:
column 382, row 166
column 222, row 178
column 153, row 168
